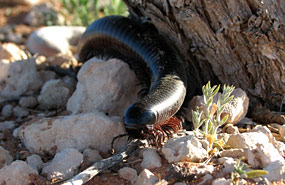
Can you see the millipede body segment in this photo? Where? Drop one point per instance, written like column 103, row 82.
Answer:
column 156, row 64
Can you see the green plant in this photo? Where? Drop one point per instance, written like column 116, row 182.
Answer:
column 50, row 19
column 240, row 172
column 86, row 11
column 239, row 168
column 211, row 115
column 115, row 7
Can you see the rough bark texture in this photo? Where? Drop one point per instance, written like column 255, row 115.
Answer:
column 237, row 42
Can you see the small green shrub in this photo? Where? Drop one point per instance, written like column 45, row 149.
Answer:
column 86, row 11
column 211, row 116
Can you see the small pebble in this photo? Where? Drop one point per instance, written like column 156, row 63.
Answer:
column 222, row 181
column 129, row 174
column 181, row 149
column 28, row 102
column 146, row 177
column 63, row 165
column 180, row 183
column 230, row 129
column 6, row 125
column 91, row 156
column 53, row 95
column 16, row 132
column 228, row 164
column 19, row 112
column 151, row 159
column 35, row 162
column 18, row 173
column 52, row 40
column 276, row 171
column 7, row 110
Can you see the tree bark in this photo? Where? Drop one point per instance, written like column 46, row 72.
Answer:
column 236, row 42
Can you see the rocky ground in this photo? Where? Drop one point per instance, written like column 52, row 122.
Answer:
column 53, row 125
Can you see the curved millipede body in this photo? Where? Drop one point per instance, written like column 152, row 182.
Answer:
column 156, row 65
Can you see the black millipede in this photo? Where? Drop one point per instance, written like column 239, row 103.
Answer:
column 156, row 64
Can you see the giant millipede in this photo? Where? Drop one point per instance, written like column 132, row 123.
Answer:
column 156, row 64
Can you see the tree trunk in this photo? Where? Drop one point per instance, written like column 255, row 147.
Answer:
column 237, row 42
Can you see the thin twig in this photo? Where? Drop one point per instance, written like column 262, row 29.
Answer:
column 104, row 164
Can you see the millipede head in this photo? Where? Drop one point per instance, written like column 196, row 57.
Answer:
column 141, row 124
column 136, row 118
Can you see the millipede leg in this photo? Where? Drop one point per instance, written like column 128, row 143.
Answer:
column 167, row 128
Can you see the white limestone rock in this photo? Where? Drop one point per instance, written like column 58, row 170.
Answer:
column 259, row 150
column 53, row 95
column 151, row 159
column 146, row 177
column 203, row 169
column 233, row 152
column 187, row 148
column 129, row 174
column 18, row 172
column 247, row 140
column 18, row 78
column 265, row 130
column 7, row 111
column 279, row 145
column 51, row 135
column 63, row 165
column 5, row 157
column 263, row 155
column 238, row 107
column 35, row 162
column 28, row 101
column 108, row 86
column 19, row 112
column 276, row 171
column 51, row 40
